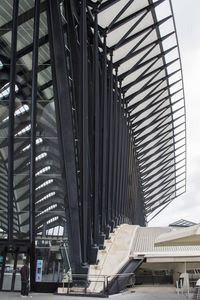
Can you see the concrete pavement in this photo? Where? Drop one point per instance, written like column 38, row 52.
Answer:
column 138, row 293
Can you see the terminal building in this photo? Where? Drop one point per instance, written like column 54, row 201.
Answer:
column 92, row 129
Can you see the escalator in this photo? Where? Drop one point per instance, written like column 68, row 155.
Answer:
column 125, row 277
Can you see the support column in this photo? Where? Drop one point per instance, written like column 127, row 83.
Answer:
column 119, row 157
column 84, row 142
column 12, row 119
column 105, row 143
column 94, row 248
column 110, row 157
column 66, row 138
column 99, row 236
column 33, row 138
column 97, row 128
column 115, row 150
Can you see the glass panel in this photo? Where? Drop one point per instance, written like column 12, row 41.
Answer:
column 49, row 193
column 2, row 254
column 8, row 272
column 13, row 264
column 20, row 260
column 51, row 259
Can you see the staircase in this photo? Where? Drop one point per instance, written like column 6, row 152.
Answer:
column 125, row 277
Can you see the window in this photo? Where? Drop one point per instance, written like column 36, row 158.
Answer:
column 5, row 90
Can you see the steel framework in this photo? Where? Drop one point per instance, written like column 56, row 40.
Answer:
column 92, row 119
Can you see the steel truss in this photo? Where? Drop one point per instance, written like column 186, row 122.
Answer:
column 92, row 119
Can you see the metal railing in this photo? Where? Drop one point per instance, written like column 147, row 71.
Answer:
column 98, row 285
column 154, row 279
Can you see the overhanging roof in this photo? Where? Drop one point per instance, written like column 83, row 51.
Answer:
column 182, row 223
column 181, row 237
column 141, row 38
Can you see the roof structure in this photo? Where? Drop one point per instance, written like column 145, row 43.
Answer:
column 189, row 236
column 48, row 190
column 163, row 241
column 182, row 223
column 141, row 38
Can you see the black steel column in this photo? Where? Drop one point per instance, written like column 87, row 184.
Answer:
column 126, row 165
column 33, row 137
column 74, row 53
column 105, row 141
column 84, row 149
column 110, row 159
column 14, row 269
column 97, row 128
column 66, row 138
column 124, row 155
column 11, row 119
column 116, row 148
column 119, row 157
column 132, row 195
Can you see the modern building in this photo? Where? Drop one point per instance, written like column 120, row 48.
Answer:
column 92, row 129
column 156, row 255
column 165, row 261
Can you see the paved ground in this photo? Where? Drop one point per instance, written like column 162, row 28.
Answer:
column 154, row 293
column 139, row 293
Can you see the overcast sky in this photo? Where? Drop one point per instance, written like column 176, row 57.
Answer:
column 187, row 19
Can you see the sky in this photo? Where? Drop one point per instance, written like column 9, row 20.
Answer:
column 187, row 206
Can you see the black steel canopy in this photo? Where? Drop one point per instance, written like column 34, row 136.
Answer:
column 142, row 40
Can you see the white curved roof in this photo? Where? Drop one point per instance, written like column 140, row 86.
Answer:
column 162, row 242
column 189, row 236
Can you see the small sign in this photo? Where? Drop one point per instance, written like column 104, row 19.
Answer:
column 1, row 260
column 38, row 274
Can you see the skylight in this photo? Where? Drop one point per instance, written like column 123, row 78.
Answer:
column 43, row 170
column 24, row 130
column 49, row 181
column 41, row 156
column 5, row 90
column 48, row 209
column 47, row 197
column 55, row 231
column 38, row 141
column 19, row 112
column 52, row 220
